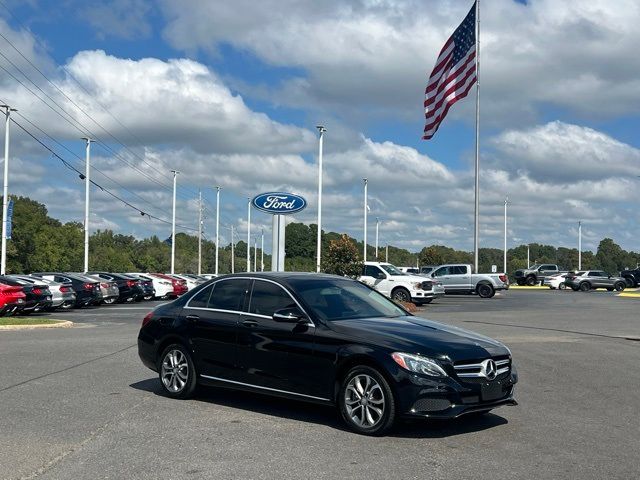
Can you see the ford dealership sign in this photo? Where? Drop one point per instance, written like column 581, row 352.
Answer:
column 279, row 203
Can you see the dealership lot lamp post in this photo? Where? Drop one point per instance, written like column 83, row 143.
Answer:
column 233, row 253
column 199, row 232
column 262, row 251
column 580, row 245
column 321, row 131
column 506, row 202
column 87, row 185
column 218, row 225
column 5, row 190
column 173, row 223
column 248, row 234
column 366, row 207
column 377, row 231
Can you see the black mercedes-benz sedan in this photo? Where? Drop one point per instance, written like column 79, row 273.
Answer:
column 326, row 339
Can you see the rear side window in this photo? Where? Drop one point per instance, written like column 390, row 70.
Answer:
column 229, row 294
column 458, row 270
column 201, row 299
column 268, row 297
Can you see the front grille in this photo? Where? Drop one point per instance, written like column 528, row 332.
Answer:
column 468, row 371
column 427, row 285
column 431, row 405
column 519, row 273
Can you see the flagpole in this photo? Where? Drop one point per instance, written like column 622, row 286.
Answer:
column 477, row 162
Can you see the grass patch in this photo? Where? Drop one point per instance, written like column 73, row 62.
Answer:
column 27, row 321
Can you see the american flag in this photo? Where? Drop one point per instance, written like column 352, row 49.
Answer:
column 453, row 76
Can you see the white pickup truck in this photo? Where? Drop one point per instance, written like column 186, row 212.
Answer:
column 393, row 283
column 458, row 278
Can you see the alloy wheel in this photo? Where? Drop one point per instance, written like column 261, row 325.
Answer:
column 175, row 371
column 364, row 401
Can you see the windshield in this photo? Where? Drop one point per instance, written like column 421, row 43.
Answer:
column 390, row 269
column 345, row 299
column 534, row 266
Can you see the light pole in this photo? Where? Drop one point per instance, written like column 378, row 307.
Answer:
column 248, row 234
column 262, row 252
column 199, row 232
column 233, row 253
column 217, row 225
column 506, row 202
column 255, row 254
column 365, row 219
column 5, row 190
column 528, row 260
column 377, row 231
column 173, row 223
column 386, row 254
column 321, row 131
column 580, row 245
column 87, row 185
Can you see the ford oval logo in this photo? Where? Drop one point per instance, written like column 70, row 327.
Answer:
column 279, row 203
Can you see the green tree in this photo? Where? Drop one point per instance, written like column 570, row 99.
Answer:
column 342, row 258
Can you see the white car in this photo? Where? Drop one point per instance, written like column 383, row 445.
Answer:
column 163, row 287
column 410, row 270
column 400, row 286
column 555, row 282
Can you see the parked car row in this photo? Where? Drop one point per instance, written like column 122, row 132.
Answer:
column 585, row 280
column 48, row 291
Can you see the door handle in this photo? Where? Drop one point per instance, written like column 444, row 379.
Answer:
column 250, row 323
column 193, row 318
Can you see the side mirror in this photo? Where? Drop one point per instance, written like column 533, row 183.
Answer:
column 289, row 315
column 381, row 276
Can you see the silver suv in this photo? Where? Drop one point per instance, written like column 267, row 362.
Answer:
column 590, row 279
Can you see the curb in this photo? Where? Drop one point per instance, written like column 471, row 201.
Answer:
column 629, row 294
column 524, row 287
column 59, row 324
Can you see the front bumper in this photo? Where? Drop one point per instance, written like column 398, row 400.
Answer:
column 445, row 398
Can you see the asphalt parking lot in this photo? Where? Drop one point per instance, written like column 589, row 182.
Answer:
column 78, row 404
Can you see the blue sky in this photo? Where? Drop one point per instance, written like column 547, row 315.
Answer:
column 232, row 99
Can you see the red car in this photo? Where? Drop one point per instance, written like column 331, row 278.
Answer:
column 12, row 299
column 179, row 286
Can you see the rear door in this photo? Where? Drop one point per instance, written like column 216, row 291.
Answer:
column 460, row 277
column 599, row 279
column 212, row 316
column 275, row 355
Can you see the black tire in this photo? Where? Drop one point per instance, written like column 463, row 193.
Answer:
column 168, row 370
column 109, row 301
column 401, row 294
column 66, row 306
column 585, row 286
column 562, row 286
column 485, row 290
column 575, row 289
column 531, row 281
column 520, row 281
column 148, row 297
column 384, row 421
column 619, row 286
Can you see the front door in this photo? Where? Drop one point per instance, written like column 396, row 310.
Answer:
column 278, row 355
column 212, row 316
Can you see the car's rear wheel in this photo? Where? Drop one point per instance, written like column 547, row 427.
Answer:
column 585, row 286
column 176, row 371
column 485, row 290
column 531, row 281
column 562, row 286
column 520, row 281
column 109, row 301
column 401, row 295
column 619, row 286
column 366, row 401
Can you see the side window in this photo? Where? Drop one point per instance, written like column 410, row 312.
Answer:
column 458, row 270
column 268, row 297
column 229, row 294
column 371, row 271
column 594, row 274
column 441, row 272
column 201, row 299
column 548, row 267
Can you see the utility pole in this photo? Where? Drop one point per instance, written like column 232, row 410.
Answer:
column 580, row 245
column 255, row 254
column 248, row 234
column 321, row 131
column 377, row 231
column 386, row 255
column 218, row 226
column 262, row 252
column 173, row 223
column 365, row 219
column 233, row 253
column 5, row 191
column 528, row 260
column 87, row 185
column 199, row 232
column 506, row 202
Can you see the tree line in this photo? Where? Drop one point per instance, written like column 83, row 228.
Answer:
column 42, row 243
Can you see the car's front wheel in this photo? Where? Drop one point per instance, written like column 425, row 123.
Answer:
column 562, row 286
column 401, row 295
column 585, row 286
column 366, row 401
column 176, row 371
column 619, row 286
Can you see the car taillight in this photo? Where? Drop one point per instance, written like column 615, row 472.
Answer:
column 87, row 286
column 64, row 289
column 503, row 278
column 37, row 290
column 147, row 318
column 131, row 283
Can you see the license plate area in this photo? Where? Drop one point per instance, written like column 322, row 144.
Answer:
column 491, row 391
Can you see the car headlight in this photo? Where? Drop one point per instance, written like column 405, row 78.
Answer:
column 418, row 364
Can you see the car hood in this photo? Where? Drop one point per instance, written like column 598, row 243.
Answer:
column 411, row 334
